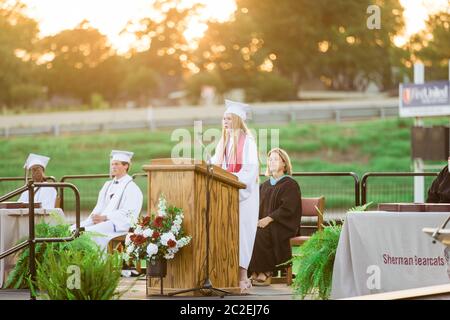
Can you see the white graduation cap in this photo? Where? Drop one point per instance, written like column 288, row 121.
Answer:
column 240, row 109
column 36, row 159
column 119, row 155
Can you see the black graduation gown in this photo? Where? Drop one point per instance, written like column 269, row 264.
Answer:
column 439, row 191
column 282, row 202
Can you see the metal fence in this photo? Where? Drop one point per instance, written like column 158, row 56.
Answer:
column 386, row 187
column 89, row 186
column 12, row 183
column 342, row 190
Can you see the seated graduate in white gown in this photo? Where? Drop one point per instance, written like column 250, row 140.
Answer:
column 119, row 202
column 36, row 164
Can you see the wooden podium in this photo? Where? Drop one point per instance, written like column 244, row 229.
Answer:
column 183, row 182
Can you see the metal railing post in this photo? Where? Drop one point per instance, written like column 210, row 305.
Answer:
column 31, row 236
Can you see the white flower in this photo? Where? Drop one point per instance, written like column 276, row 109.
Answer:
column 130, row 249
column 165, row 237
column 168, row 256
column 147, row 232
column 152, row 249
column 162, row 206
column 133, row 221
column 175, row 229
column 161, row 213
column 138, row 231
column 183, row 241
column 127, row 239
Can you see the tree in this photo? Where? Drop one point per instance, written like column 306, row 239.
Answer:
column 232, row 50
column 17, row 35
column 140, row 84
column 329, row 39
column 300, row 40
column 168, row 48
column 432, row 45
column 76, row 56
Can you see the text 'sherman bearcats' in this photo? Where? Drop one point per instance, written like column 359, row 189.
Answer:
column 414, row 260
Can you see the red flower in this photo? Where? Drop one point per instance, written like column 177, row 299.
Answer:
column 138, row 239
column 155, row 234
column 158, row 222
column 171, row 243
column 145, row 221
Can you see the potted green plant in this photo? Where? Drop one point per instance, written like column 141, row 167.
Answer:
column 315, row 261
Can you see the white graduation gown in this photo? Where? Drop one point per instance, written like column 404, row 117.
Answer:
column 121, row 203
column 248, row 199
column 45, row 195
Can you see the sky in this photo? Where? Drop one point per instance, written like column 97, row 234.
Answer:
column 111, row 16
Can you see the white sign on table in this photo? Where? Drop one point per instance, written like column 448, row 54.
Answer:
column 388, row 251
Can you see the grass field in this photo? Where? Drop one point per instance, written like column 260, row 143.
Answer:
column 381, row 145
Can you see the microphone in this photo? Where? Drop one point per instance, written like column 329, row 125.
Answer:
column 437, row 233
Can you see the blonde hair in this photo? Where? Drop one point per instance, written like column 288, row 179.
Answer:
column 238, row 126
column 284, row 157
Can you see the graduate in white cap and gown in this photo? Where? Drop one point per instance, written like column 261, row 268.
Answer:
column 36, row 164
column 237, row 153
column 119, row 202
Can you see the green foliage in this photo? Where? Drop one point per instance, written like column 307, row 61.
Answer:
column 315, row 260
column 140, row 83
column 98, row 102
column 434, row 50
column 315, row 263
column 23, row 94
column 18, row 276
column 361, row 208
column 268, row 86
column 195, row 83
column 99, row 275
column 17, row 31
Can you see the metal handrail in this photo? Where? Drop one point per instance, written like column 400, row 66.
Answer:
column 32, row 240
column 49, row 178
column 334, row 174
column 79, row 176
column 139, row 174
column 14, row 193
column 366, row 176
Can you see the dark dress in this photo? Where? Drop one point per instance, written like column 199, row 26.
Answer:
column 439, row 191
column 282, row 202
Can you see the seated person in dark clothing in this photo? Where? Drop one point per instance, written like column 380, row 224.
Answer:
column 280, row 210
column 439, row 191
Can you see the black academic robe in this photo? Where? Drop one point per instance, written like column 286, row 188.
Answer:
column 439, row 191
column 282, row 202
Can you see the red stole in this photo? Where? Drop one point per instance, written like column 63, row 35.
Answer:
column 236, row 167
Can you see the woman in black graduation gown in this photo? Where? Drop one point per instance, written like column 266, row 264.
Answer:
column 439, row 191
column 279, row 218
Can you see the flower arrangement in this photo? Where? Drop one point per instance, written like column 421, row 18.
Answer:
column 158, row 235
